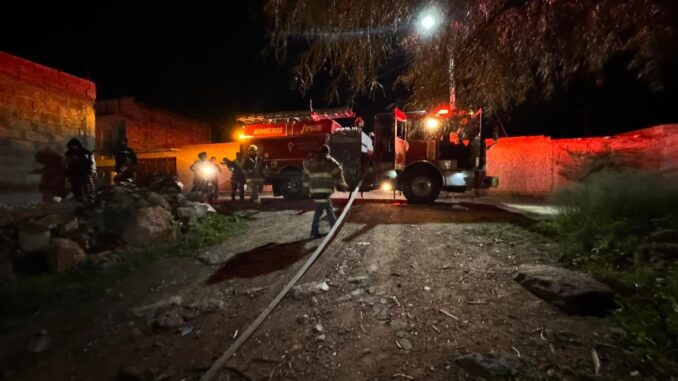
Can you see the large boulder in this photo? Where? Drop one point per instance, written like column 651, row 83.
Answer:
column 155, row 199
column 491, row 366
column 64, row 254
column 194, row 211
column 34, row 238
column 152, row 224
column 570, row 291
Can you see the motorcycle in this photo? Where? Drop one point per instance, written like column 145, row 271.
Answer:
column 205, row 181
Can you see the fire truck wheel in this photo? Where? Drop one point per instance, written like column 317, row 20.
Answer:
column 292, row 187
column 421, row 187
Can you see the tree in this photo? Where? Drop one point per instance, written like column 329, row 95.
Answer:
column 499, row 52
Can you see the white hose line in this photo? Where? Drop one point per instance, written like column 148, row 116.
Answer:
column 219, row 363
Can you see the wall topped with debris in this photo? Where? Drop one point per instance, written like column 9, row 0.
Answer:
column 539, row 165
column 40, row 110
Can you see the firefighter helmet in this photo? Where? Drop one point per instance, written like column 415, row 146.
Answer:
column 253, row 149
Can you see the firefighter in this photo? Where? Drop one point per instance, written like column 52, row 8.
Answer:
column 125, row 162
column 254, row 170
column 198, row 178
column 322, row 174
column 81, row 170
column 237, row 176
column 215, row 179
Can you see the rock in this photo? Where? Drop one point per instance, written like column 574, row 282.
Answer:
column 398, row 325
column 195, row 196
column 309, row 289
column 193, row 212
column 213, row 258
column 357, row 292
column 53, row 221
column 358, row 279
column 663, row 236
column 64, row 254
column 318, row 328
column 186, row 330
column 320, row 337
column 203, row 307
column 155, row 199
column 181, row 200
column 381, row 312
column 152, row 224
column 38, row 344
column 301, row 319
column 34, row 238
column 168, row 320
column 572, row 292
column 103, row 259
column 69, row 227
column 344, row 298
column 663, row 250
column 490, row 366
column 405, row 344
column 156, row 308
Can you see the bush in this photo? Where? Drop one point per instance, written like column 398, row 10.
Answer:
column 603, row 223
column 610, row 212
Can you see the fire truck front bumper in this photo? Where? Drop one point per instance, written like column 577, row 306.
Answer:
column 460, row 181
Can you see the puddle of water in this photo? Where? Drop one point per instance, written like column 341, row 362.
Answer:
column 261, row 260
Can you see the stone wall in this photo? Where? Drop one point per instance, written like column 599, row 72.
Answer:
column 147, row 128
column 538, row 165
column 40, row 110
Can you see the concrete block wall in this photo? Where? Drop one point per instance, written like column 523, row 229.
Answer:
column 40, row 110
column 150, row 128
column 536, row 165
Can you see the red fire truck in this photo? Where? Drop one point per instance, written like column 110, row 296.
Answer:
column 418, row 153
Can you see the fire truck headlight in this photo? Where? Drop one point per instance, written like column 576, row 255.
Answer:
column 431, row 123
column 387, row 186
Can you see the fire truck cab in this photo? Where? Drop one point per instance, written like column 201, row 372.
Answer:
column 423, row 153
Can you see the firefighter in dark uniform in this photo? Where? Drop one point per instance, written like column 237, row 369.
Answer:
column 254, row 170
column 81, row 170
column 125, row 162
column 322, row 175
column 237, row 175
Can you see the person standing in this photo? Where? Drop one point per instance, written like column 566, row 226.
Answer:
column 254, row 170
column 81, row 170
column 125, row 162
column 322, row 175
column 238, row 177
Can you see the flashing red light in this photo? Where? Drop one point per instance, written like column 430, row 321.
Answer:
column 444, row 111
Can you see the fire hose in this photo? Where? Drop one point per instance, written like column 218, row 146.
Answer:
column 219, row 363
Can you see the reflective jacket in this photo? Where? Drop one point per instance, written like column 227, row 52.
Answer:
column 254, row 169
column 322, row 175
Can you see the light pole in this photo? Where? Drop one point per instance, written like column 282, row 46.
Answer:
column 428, row 22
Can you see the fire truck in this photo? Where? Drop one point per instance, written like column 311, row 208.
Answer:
column 419, row 153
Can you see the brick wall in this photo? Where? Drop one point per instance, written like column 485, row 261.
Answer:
column 40, row 110
column 148, row 128
column 537, row 165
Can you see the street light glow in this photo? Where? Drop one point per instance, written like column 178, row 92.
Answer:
column 428, row 22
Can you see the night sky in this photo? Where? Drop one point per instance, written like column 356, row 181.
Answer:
column 206, row 60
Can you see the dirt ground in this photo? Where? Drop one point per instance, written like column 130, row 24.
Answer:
column 410, row 289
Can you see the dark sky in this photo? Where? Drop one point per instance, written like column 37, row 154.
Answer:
column 204, row 59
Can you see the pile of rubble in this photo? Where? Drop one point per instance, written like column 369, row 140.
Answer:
column 58, row 236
